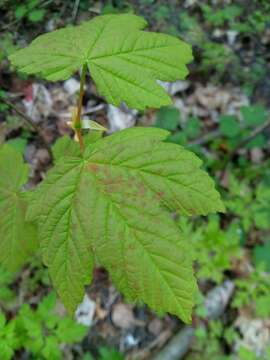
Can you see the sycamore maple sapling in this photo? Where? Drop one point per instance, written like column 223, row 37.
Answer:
column 109, row 201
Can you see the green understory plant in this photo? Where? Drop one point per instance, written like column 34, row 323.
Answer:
column 212, row 340
column 30, row 10
column 39, row 332
column 105, row 354
column 6, row 293
column 213, row 249
column 109, row 201
column 208, row 343
column 250, row 203
column 253, row 291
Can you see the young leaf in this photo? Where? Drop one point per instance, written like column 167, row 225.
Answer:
column 254, row 115
column 92, row 125
column 261, row 254
column 112, row 204
column 168, row 118
column 36, row 15
column 192, row 128
column 18, row 238
column 229, row 126
column 124, row 64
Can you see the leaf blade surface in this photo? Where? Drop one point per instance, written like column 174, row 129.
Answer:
column 18, row 238
column 105, row 205
column 124, row 64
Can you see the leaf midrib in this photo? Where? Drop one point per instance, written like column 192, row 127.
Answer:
column 131, row 51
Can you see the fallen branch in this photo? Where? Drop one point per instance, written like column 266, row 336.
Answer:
column 145, row 353
column 253, row 134
column 205, row 139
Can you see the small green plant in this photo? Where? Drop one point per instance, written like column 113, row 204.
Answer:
column 8, row 340
column 235, row 130
column 261, row 255
column 40, row 332
column 3, row 106
column 162, row 13
column 208, row 341
column 170, row 118
column 213, row 248
column 108, row 200
column 240, row 199
column 39, row 276
column 218, row 17
column 254, row 291
column 211, row 340
column 30, row 10
column 6, row 294
column 6, row 47
column 105, row 353
column 249, row 202
column 229, row 126
column 246, row 354
column 216, row 57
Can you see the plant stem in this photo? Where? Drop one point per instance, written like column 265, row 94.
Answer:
column 258, row 130
column 77, row 122
column 75, row 10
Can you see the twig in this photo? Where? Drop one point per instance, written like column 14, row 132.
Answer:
column 75, row 11
column 94, row 109
column 77, row 121
column 216, row 133
column 242, row 143
column 178, row 346
column 145, row 353
column 30, row 122
column 253, row 134
column 206, row 138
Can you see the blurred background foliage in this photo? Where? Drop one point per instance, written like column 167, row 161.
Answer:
column 222, row 114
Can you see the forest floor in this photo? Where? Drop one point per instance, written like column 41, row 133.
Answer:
column 221, row 111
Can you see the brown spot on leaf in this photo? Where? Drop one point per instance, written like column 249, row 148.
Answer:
column 160, row 194
column 131, row 247
column 93, row 167
column 131, row 181
column 107, row 172
column 141, row 191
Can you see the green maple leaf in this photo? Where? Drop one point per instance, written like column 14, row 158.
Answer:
column 18, row 238
column 124, row 61
column 110, row 205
